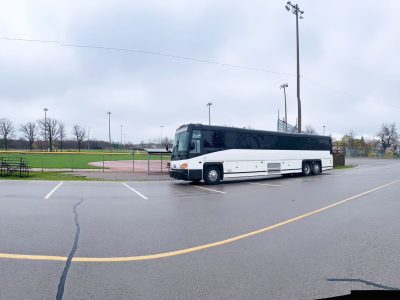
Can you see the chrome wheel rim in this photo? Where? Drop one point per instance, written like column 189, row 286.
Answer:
column 213, row 175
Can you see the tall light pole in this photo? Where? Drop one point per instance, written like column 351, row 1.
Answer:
column 88, row 138
column 121, row 136
column 109, row 127
column 161, row 127
column 299, row 14
column 209, row 112
column 45, row 127
column 284, row 86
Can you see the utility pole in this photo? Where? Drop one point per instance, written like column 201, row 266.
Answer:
column 209, row 112
column 45, row 128
column 299, row 14
column 109, row 127
column 284, row 86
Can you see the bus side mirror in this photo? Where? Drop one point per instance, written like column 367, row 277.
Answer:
column 166, row 147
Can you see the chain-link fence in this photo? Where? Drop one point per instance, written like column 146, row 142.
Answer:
column 371, row 152
column 129, row 162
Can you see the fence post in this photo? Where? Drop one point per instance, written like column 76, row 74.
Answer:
column 148, row 163
column 133, row 161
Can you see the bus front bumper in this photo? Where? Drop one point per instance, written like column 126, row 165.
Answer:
column 186, row 174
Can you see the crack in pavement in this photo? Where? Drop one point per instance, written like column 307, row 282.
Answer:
column 365, row 282
column 63, row 278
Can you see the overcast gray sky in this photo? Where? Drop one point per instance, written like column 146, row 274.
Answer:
column 350, row 46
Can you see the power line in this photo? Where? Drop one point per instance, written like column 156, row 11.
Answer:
column 62, row 44
column 187, row 58
column 348, row 94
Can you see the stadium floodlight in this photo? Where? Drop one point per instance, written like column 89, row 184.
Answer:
column 298, row 13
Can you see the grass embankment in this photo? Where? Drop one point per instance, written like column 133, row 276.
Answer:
column 344, row 167
column 57, row 176
column 72, row 160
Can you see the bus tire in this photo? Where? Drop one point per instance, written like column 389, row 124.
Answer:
column 306, row 169
column 316, row 168
column 212, row 175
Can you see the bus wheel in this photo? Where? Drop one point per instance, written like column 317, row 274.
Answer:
column 306, row 169
column 212, row 175
column 316, row 168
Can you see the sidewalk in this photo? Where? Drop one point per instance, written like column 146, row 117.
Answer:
column 123, row 175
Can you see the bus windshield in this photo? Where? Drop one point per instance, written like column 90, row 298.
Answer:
column 181, row 145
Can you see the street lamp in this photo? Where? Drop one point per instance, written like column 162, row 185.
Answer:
column 45, row 127
column 109, row 126
column 298, row 13
column 88, row 138
column 121, row 137
column 161, row 127
column 209, row 112
column 284, row 86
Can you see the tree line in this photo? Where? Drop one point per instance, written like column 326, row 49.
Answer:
column 386, row 139
column 52, row 132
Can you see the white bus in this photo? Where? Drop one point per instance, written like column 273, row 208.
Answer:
column 214, row 153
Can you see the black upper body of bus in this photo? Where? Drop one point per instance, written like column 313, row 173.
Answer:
column 196, row 139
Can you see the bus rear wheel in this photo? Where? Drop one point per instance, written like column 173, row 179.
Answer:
column 212, row 175
column 316, row 168
column 306, row 169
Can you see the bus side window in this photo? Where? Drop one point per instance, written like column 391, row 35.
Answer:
column 213, row 141
column 252, row 142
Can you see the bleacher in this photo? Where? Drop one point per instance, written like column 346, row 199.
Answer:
column 13, row 167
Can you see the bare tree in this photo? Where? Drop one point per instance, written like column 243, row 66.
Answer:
column 80, row 134
column 6, row 131
column 61, row 134
column 30, row 132
column 52, row 130
column 388, row 137
column 310, row 130
column 349, row 140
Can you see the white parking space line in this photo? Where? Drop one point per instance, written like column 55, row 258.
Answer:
column 138, row 193
column 53, row 190
column 216, row 191
column 265, row 184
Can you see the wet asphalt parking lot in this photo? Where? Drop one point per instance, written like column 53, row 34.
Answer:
column 277, row 238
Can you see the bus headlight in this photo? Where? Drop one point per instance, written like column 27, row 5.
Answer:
column 184, row 166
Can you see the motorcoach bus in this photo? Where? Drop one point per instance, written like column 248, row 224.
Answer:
column 214, row 153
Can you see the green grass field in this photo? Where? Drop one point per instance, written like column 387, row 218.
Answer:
column 72, row 160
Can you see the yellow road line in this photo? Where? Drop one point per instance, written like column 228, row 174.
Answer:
column 192, row 249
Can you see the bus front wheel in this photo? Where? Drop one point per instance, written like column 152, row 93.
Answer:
column 212, row 175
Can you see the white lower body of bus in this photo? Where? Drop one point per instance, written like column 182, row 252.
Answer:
column 216, row 166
